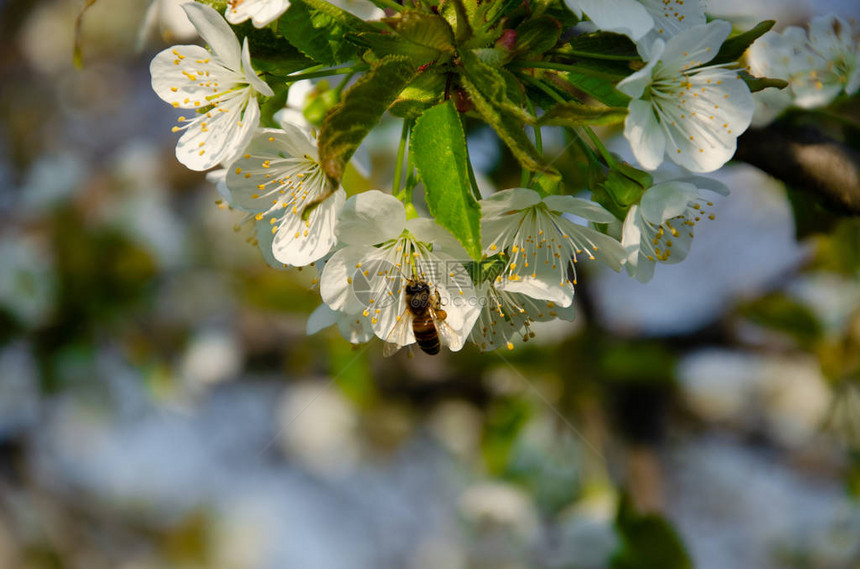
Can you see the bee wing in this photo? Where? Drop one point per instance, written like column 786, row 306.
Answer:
column 447, row 335
column 399, row 336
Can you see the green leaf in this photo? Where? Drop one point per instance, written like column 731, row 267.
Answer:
column 427, row 30
column 648, row 541
column 558, row 10
column 390, row 44
column 642, row 178
column 546, row 185
column 319, row 102
column 457, row 16
column 492, row 85
column 510, row 131
column 536, row 35
column 424, row 38
column 492, row 56
column 600, row 88
column 571, row 114
column 759, row 83
column 360, row 109
column 274, row 104
column 270, row 50
column 491, row 11
column 317, row 29
column 424, row 92
column 734, row 47
column 619, row 191
column 602, row 44
column 438, row 146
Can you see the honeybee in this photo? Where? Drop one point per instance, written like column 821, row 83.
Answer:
column 424, row 310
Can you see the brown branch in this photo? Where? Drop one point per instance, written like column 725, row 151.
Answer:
column 805, row 158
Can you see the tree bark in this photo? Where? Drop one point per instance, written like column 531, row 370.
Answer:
column 805, row 158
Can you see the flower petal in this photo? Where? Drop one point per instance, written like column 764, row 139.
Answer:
column 594, row 243
column 505, row 201
column 261, row 12
column 321, row 318
column 354, row 328
column 705, row 183
column 254, row 81
column 642, row 130
column 300, row 242
column 673, row 16
column 697, row 45
column 188, row 76
column 216, row 32
column 426, row 230
column 634, row 85
column 586, row 209
column 336, row 279
column 541, row 284
column 623, row 16
column 667, row 200
column 370, row 218
column 265, row 238
column 717, row 108
column 220, row 135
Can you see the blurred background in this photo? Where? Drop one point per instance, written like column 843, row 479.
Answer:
column 161, row 405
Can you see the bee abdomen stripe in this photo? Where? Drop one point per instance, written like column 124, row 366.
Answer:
column 426, row 335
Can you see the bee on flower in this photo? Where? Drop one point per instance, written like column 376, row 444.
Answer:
column 383, row 255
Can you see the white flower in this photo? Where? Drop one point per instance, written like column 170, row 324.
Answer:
column 540, row 244
column 818, row 67
column 627, row 17
column 221, row 85
column 832, row 64
column 260, row 12
column 277, row 177
column 635, row 18
column 775, row 55
column 673, row 16
column 375, row 276
column 692, row 112
column 660, row 228
column 505, row 315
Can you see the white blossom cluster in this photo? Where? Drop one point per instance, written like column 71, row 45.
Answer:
column 819, row 65
column 370, row 249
